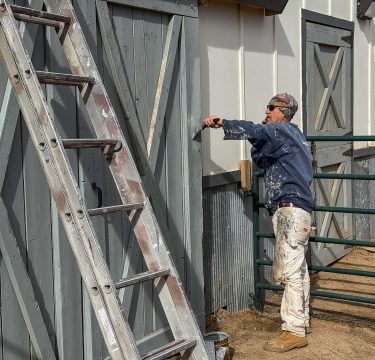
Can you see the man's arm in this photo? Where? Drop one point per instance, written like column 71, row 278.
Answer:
column 236, row 129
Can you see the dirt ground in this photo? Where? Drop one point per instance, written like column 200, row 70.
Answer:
column 340, row 329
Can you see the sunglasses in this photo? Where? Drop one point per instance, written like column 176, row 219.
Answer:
column 272, row 107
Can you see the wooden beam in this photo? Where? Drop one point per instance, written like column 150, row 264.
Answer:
column 181, row 7
column 23, row 288
column 162, row 91
column 362, row 8
column 246, row 175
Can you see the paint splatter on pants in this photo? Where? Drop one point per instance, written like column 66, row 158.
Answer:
column 292, row 227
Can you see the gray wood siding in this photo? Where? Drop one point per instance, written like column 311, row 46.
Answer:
column 59, row 291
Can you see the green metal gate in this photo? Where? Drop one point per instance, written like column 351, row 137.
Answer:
column 257, row 235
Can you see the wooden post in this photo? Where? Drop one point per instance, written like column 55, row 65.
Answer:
column 246, row 175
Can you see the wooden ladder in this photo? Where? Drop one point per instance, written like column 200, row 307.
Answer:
column 51, row 149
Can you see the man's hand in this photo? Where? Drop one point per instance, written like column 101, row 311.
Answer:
column 213, row 121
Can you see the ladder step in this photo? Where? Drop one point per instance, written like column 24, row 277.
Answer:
column 39, row 17
column 138, row 278
column 91, row 143
column 108, row 146
column 170, row 349
column 63, row 79
column 113, row 209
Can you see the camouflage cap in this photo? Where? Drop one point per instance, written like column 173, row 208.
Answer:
column 288, row 104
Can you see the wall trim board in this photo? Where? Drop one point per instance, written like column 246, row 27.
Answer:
column 319, row 18
column 221, row 179
column 270, row 6
column 364, row 153
column 182, row 7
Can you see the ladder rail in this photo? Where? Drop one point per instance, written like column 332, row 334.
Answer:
column 74, row 216
column 150, row 238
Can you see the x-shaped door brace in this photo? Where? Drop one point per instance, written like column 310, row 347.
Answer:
column 146, row 151
column 331, row 200
column 329, row 80
column 8, row 244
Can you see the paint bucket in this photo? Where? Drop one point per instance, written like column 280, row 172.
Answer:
column 217, row 345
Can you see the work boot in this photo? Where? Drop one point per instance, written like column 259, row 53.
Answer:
column 286, row 341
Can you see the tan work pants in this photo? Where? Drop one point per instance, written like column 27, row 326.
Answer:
column 292, row 227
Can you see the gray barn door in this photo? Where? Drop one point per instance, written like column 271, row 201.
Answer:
column 153, row 83
column 329, row 112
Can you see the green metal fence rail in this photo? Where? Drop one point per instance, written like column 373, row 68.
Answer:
column 258, row 285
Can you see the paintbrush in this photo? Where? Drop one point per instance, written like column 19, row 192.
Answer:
column 201, row 127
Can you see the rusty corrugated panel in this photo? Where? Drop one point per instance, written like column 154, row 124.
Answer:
column 227, row 244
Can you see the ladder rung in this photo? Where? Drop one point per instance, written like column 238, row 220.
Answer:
column 113, row 209
column 63, row 79
column 91, row 143
column 39, row 17
column 170, row 349
column 138, row 278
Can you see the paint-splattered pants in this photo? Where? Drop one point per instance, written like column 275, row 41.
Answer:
column 292, row 227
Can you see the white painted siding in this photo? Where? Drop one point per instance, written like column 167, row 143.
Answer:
column 240, row 73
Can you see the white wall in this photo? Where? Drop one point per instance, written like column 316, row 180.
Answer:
column 247, row 57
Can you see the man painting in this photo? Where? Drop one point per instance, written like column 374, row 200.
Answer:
column 281, row 150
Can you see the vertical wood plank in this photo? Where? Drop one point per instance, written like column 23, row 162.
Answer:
column 160, row 174
column 118, row 230
column 122, row 249
column 112, row 47
column 193, row 169
column 90, row 171
column 140, row 66
column 24, row 289
column 124, row 26
column 38, row 217
column 15, row 337
column 154, row 43
column 67, row 279
column 136, row 313
column 10, row 108
column 153, row 34
column 173, row 160
column 3, row 80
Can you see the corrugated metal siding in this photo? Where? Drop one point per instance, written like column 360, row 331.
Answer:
column 227, row 244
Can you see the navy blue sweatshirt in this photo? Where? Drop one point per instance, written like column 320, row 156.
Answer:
column 281, row 150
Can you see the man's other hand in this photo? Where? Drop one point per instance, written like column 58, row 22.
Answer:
column 213, row 121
